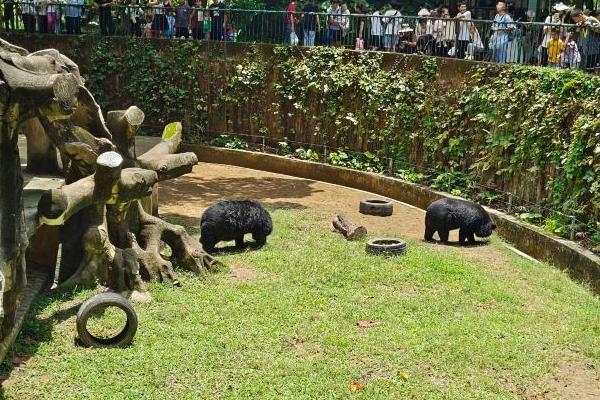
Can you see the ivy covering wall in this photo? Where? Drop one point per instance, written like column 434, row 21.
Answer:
column 534, row 132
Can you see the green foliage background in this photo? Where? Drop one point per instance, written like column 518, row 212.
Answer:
column 532, row 131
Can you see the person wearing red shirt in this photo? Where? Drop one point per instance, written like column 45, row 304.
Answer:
column 290, row 22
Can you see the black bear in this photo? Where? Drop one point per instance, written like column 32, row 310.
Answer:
column 445, row 215
column 230, row 220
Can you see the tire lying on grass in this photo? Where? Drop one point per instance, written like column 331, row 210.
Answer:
column 381, row 208
column 104, row 300
column 386, row 246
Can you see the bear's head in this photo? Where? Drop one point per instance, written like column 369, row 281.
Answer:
column 486, row 229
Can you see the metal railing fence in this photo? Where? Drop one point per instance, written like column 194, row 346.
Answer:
column 555, row 45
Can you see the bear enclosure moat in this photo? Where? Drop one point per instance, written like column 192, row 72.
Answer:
column 304, row 313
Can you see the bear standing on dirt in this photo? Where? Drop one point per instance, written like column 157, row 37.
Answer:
column 445, row 215
column 230, row 220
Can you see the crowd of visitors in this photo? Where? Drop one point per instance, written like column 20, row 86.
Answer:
column 568, row 38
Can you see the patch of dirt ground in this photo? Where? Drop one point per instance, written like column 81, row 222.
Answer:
column 571, row 379
column 186, row 198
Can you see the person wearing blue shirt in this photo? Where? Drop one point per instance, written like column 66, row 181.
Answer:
column 73, row 13
column 502, row 29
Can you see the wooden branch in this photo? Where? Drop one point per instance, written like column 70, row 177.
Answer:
column 169, row 166
column 123, row 126
column 161, row 159
column 349, row 229
column 171, row 139
column 108, row 172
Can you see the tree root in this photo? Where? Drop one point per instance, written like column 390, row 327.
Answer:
column 185, row 250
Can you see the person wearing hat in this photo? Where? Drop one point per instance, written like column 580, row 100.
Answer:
column 557, row 16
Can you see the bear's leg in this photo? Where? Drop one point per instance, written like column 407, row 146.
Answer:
column 259, row 239
column 208, row 243
column 462, row 236
column 429, row 231
column 471, row 237
column 239, row 242
column 443, row 236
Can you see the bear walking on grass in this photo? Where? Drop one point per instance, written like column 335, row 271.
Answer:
column 231, row 220
column 445, row 215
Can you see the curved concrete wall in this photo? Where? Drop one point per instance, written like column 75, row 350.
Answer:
column 581, row 264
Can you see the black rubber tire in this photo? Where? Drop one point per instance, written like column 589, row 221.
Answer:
column 380, row 208
column 386, row 246
column 124, row 338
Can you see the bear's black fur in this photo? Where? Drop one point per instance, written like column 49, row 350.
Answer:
column 445, row 215
column 230, row 220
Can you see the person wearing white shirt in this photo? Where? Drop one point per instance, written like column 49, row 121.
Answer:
column 392, row 19
column 465, row 26
column 376, row 31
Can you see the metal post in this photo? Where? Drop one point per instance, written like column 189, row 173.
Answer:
column 324, row 153
column 573, row 221
column 263, row 143
column 510, row 201
column 391, row 166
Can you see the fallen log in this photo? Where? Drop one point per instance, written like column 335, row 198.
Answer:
column 349, row 229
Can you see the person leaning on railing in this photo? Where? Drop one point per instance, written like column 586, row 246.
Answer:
column 588, row 30
column 73, row 12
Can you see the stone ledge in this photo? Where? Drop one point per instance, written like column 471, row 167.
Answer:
column 581, row 264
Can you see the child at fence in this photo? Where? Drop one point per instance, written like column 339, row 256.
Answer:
column 230, row 33
column 570, row 57
column 555, row 49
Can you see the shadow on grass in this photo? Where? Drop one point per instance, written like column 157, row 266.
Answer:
column 457, row 244
column 38, row 329
column 232, row 249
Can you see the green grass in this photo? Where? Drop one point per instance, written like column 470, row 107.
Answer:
column 446, row 327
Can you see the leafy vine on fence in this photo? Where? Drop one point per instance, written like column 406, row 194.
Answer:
column 534, row 132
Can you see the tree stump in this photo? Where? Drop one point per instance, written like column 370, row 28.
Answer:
column 349, row 229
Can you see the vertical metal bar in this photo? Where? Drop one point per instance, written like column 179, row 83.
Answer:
column 391, row 166
column 573, row 222
column 263, row 143
column 510, row 203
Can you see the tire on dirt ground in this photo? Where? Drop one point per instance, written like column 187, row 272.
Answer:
column 380, row 208
column 104, row 300
column 386, row 246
